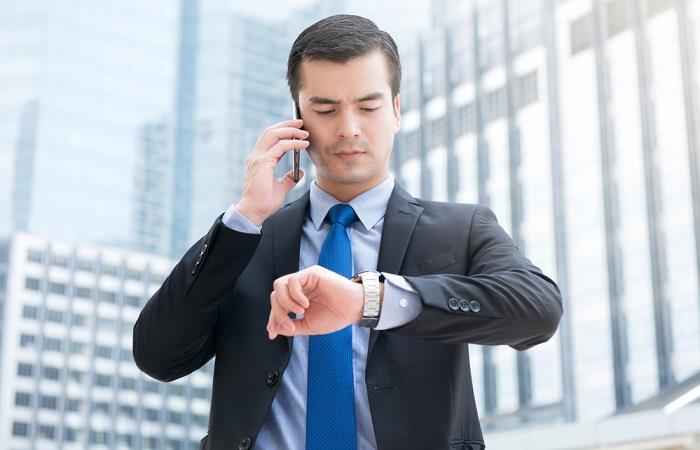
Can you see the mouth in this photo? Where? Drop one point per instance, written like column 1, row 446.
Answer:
column 350, row 155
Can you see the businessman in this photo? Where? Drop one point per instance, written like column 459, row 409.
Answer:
column 342, row 320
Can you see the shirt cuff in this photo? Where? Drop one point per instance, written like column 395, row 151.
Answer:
column 400, row 305
column 238, row 222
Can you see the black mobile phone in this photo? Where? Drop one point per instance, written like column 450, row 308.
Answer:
column 295, row 163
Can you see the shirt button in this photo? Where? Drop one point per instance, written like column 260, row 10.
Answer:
column 403, row 303
column 464, row 305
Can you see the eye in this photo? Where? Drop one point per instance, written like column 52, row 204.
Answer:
column 325, row 112
column 370, row 109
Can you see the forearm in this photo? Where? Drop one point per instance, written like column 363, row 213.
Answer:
column 174, row 334
column 518, row 307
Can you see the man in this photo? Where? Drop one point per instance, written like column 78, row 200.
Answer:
column 305, row 357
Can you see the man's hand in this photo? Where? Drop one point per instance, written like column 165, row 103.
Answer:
column 263, row 194
column 328, row 301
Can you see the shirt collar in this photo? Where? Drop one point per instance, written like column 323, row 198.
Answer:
column 370, row 206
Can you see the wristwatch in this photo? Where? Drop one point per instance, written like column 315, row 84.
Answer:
column 370, row 283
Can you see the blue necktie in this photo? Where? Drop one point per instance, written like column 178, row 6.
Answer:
column 330, row 401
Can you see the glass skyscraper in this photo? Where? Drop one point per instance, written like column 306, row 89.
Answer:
column 576, row 122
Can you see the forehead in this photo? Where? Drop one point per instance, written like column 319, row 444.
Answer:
column 357, row 76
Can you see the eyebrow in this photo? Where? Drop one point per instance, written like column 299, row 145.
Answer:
column 329, row 101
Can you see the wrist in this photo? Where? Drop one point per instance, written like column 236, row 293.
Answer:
column 255, row 217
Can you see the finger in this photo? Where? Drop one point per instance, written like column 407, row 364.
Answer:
column 281, row 147
column 278, row 313
column 288, row 180
column 296, row 292
column 284, row 301
column 272, row 135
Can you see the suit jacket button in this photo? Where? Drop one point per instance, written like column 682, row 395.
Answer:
column 272, row 378
column 244, row 444
column 475, row 306
column 453, row 304
column 464, row 305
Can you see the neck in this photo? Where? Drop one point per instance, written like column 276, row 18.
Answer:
column 346, row 192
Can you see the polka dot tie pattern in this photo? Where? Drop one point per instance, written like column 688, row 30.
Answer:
column 330, row 402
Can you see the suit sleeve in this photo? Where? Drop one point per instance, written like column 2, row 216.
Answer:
column 503, row 299
column 175, row 332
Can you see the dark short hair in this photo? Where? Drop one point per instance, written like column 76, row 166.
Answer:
column 340, row 38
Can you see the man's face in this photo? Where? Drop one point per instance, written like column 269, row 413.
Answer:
column 351, row 119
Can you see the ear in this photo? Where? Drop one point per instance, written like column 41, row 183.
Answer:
column 397, row 112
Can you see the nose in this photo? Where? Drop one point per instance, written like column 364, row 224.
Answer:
column 348, row 126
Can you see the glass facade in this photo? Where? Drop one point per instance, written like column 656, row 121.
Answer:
column 576, row 123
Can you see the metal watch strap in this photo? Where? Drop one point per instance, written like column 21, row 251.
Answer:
column 372, row 295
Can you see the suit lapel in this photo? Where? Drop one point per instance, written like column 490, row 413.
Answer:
column 400, row 220
column 285, row 230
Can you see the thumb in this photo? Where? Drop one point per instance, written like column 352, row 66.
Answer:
column 288, row 181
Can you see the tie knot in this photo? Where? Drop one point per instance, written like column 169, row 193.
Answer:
column 342, row 213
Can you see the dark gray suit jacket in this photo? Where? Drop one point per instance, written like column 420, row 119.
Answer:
column 475, row 286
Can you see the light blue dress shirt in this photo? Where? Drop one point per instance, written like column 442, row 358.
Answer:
column 285, row 426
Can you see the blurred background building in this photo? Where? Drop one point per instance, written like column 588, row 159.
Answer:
column 124, row 133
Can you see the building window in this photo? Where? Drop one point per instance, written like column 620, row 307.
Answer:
column 82, row 292
column 79, row 320
column 76, row 375
column 617, row 16
column 127, row 410
column 70, row 434
column 57, row 288
column 527, row 89
column 20, row 429
column 127, row 383
column 59, row 261
column 495, row 104
column 107, row 296
column 35, row 256
column 23, row 399
column 101, row 407
column 200, row 392
column 103, row 380
column 77, row 348
column 108, row 269
column 466, row 120
column 98, row 437
column 411, row 145
column 48, row 402
column 437, row 132
column 84, row 265
column 125, row 355
column 30, row 312
column 27, row 340
column 51, row 373
column 32, row 284
column 103, row 352
column 25, row 370
column 47, row 432
column 105, row 323
column 132, row 300
column 152, row 386
column 656, row 6
column 581, row 33
column 74, row 404
column 53, row 345
column 176, row 417
column 151, row 414
column 53, row 315
column 133, row 274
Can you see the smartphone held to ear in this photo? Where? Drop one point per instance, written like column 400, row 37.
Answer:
column 296, row 162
